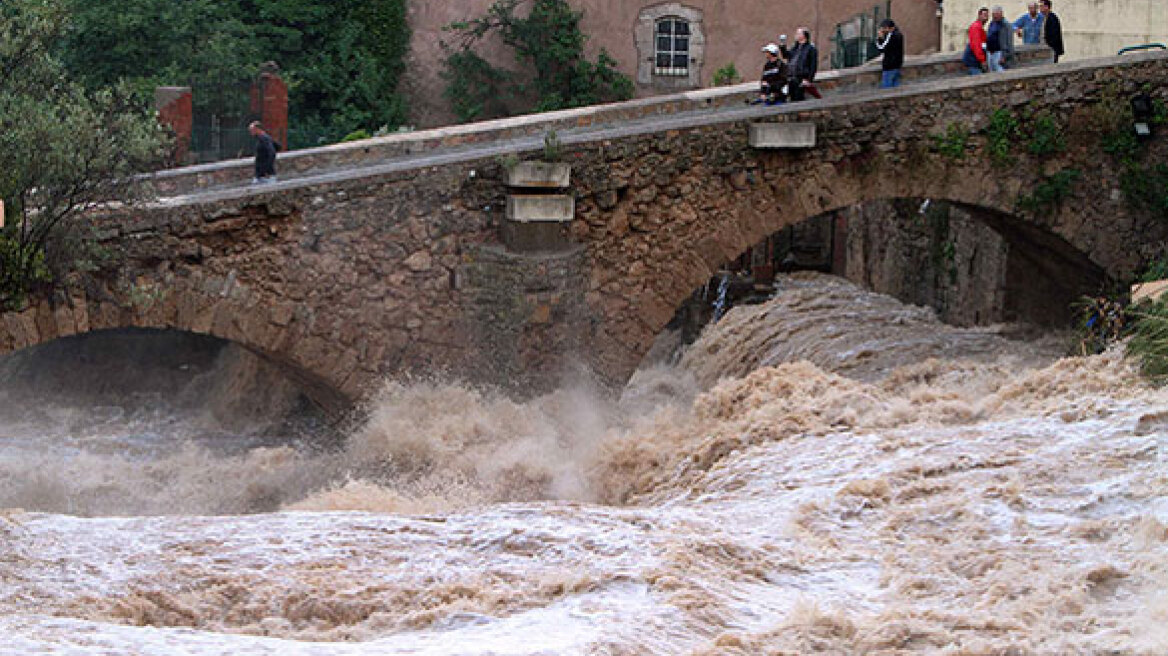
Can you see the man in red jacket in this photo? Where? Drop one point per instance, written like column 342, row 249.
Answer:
column 975, row 53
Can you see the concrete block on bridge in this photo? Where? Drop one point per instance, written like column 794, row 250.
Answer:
column 782, row 135
column 538, row 223
column 539, row 175
column 557, row 208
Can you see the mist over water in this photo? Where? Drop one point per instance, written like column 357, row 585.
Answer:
column 829, row 472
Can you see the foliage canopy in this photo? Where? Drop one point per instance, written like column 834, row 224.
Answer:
column 63, row 149
column 548, row 43
column 341, row 58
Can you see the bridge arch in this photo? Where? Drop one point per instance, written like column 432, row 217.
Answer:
column 971, row 265
column 217, row 309
column 383, row 258
column 707, row 218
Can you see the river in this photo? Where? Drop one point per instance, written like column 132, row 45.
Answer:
column 830, row 472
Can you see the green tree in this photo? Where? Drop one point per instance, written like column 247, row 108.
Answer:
column 547, row 41
column 63, row 149
column 342, row 59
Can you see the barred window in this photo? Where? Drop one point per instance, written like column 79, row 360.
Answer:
column 672, row 52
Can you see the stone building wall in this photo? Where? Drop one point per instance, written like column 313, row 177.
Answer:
column 1090, row 29
column 731, row 32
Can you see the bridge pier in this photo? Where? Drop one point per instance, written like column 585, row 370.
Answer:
column 527, row 318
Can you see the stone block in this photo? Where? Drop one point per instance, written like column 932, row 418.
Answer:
column 782, row 135
column 535, row 236
column 541, row 208
column 539, row 175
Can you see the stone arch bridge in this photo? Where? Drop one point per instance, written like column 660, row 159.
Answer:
column 383, row 257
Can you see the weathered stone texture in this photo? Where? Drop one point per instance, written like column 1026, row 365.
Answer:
column 347, row 281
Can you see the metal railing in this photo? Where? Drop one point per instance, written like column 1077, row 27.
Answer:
column 1143, row 46
column 854, row 40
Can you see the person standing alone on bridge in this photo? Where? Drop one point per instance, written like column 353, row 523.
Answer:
column 975, row 53
column 804, row 64
column 1052, row 30
column 890, row 41
column 265, row 157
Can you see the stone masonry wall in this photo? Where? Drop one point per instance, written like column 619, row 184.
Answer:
column 350, row 280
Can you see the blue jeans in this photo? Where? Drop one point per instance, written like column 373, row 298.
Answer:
column 996, row 62
column 975, row 70
column 890, row 79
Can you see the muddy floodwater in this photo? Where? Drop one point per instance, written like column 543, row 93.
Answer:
column 830, row 472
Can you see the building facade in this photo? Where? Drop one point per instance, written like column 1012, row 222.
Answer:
column 667, row 46
column 1090, row 29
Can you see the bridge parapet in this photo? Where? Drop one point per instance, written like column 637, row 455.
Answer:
column 298, row 163
column 378, row 271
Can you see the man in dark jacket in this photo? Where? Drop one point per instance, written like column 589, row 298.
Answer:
column 1052, row 30
column 774, row 76
column 890, row 41
column 265, row 157
column 804, row 63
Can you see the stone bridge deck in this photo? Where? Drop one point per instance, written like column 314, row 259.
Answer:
column 525, row 134
column 363, row 265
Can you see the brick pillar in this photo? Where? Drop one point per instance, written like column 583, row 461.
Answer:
column 175, row 110
column 269, row 103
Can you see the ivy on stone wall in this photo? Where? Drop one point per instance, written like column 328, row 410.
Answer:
column 953, row 143
column 1049, row 192
column 1144, row 183
column 1003, row 134
column 1044, row 136
column 548, row 43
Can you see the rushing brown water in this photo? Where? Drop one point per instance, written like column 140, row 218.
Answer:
column 831, row 472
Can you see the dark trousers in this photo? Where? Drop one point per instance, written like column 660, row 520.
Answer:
column 795, row 91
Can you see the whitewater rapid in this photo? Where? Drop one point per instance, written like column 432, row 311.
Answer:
column 830, row 472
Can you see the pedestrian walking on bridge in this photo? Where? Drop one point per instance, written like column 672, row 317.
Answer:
column 265, row 157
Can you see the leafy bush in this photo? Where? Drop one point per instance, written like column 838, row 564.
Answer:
column 1049, row 192
column 21, row 268
column 953, row 143
column 1144, row 183
column 1046, row 137
column 1157, row 270
column 549, row 43
column 1149, row 342
column 1146, row 188
column 1003, row 134
column 727, row 76
column 342, row 59
column 63, row 149
column 553, row 150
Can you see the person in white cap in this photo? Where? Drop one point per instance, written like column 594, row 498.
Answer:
column 774, row 75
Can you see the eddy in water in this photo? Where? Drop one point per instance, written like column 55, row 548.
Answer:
column 801, row 482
